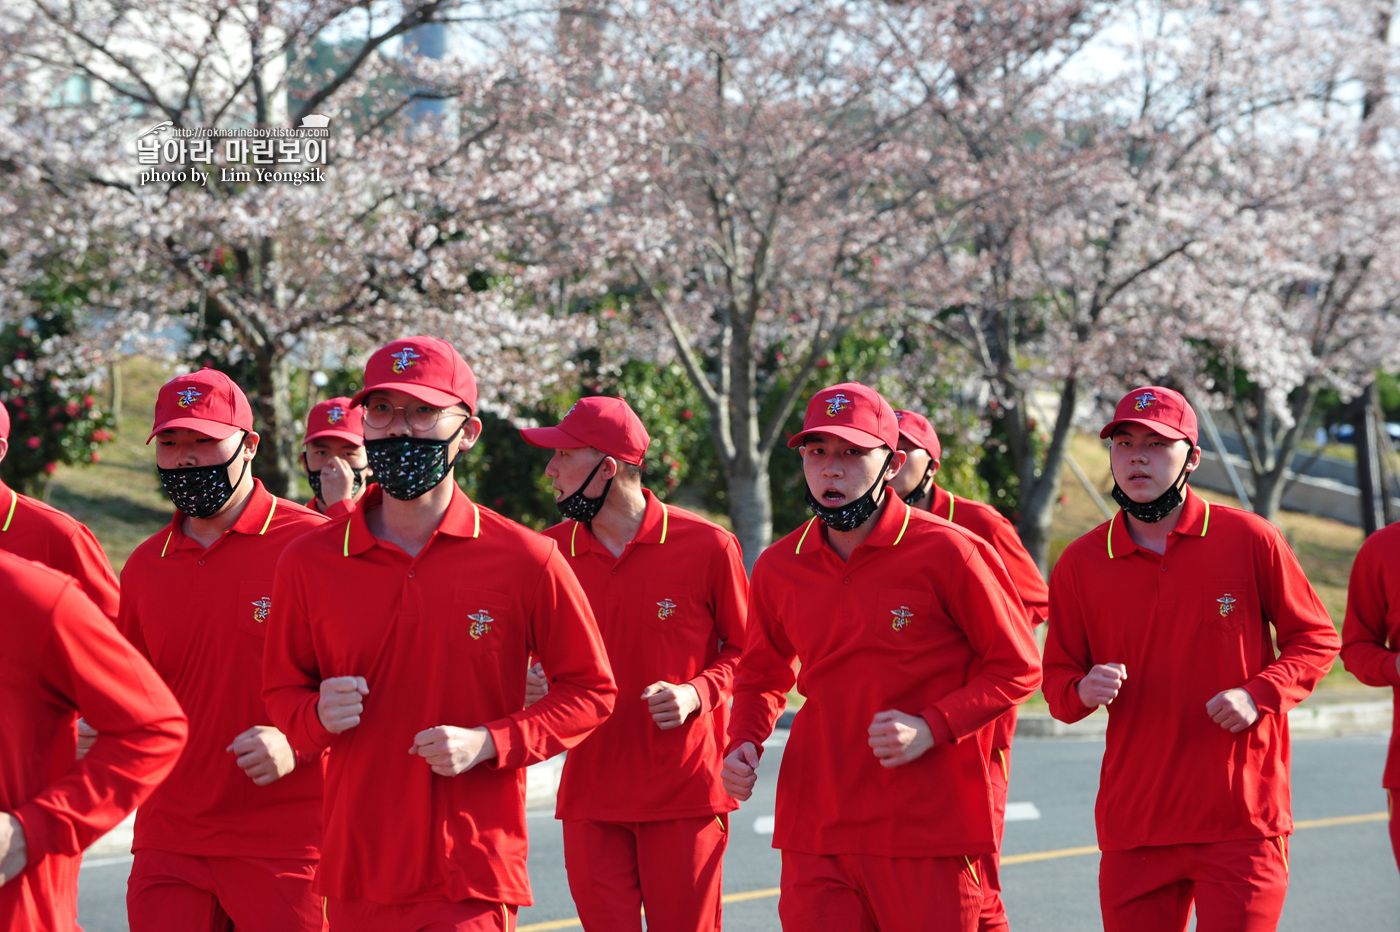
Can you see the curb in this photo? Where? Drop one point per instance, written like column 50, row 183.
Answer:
column 1320, row 720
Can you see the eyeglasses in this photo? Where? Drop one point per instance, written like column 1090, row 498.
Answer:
column 380, row 414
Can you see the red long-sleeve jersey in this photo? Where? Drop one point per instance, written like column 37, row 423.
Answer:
column 1028, row 585
column 918, row 620
column 442, row 639
column 201, row 617
column 58, row 653
column 671, row 608
column 1371, row 630
column 1188, row 625
column 42, row 533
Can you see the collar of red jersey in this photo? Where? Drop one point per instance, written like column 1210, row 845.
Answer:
column 463, row 519
column 656, row 522
column 255, row 519
column 942, row 503
column 10, row 508
column 1194, row 522
column 888, row 530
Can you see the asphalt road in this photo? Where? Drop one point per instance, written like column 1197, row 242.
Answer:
column 1343, row 874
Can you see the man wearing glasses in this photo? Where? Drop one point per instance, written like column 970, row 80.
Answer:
column 401, row 644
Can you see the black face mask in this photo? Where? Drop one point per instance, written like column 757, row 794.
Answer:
column 200, row 491
column 849, row 517
column 920, row 490
column 407, row 467
column 580, row 507
column 314, row 479
column 1157, row 509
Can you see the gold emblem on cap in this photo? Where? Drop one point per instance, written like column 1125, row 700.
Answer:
column 836, row 404
column 188, row 396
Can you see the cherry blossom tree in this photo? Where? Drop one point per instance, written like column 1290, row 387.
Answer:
column 416, row 227
column 796, row 161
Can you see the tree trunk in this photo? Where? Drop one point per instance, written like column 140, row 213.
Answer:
column 1040, row 481
column 276, row 463
column 750, row 508
column 1269, row 487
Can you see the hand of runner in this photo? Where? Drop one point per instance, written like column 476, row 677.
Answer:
column 1102, row 684
column 87, row 737
column 341, row 703
column 264, row 754
column 337, row 481
column 14, row 852
column 536, row 685
column 740, row 771
column 670, row 704
column 898, row 738
column 1234, row 710
column 450, row 750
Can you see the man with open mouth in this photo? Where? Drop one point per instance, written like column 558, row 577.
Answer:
column 898, row 628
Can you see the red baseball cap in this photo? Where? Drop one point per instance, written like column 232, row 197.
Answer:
column 206, row 401
column 427, row 368
column 1158, row 408
column 336, row 417
column 606, row 424
column 916, row 428
column 4, row 422
column 853, row 412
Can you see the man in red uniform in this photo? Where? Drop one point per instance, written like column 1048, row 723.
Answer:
column 231, row 838
column 333, row 456
column 46, row 535
column 909, row 646
column 1371, row 640
column 645, row 817
column 58, row 652
column 1164, row 614
column 915, row 484
column 400, row 644
column 39, row 532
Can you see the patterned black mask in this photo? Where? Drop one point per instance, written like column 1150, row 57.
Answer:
column 407, row 467
column 200, row 491
column 580, row 507
column 1157, row 509
column 849, row 517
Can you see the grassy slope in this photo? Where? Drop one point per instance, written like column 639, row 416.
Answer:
column 121, row 500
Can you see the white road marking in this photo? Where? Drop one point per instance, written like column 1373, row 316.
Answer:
column 1021, row 812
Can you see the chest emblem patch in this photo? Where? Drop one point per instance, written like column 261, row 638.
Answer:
column 901, row 617
column 260, row 609
column 1227, row 604
column 665, row 609
column 481, row 624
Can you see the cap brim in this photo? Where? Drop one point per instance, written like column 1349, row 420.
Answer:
column 905, row 435
column 338, row 434
column 1157, row 427
column 859, row 437
column 550, row 438
column 429, row 396
column 216, row 429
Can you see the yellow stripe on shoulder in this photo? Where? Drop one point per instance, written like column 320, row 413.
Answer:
column 805, row 532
